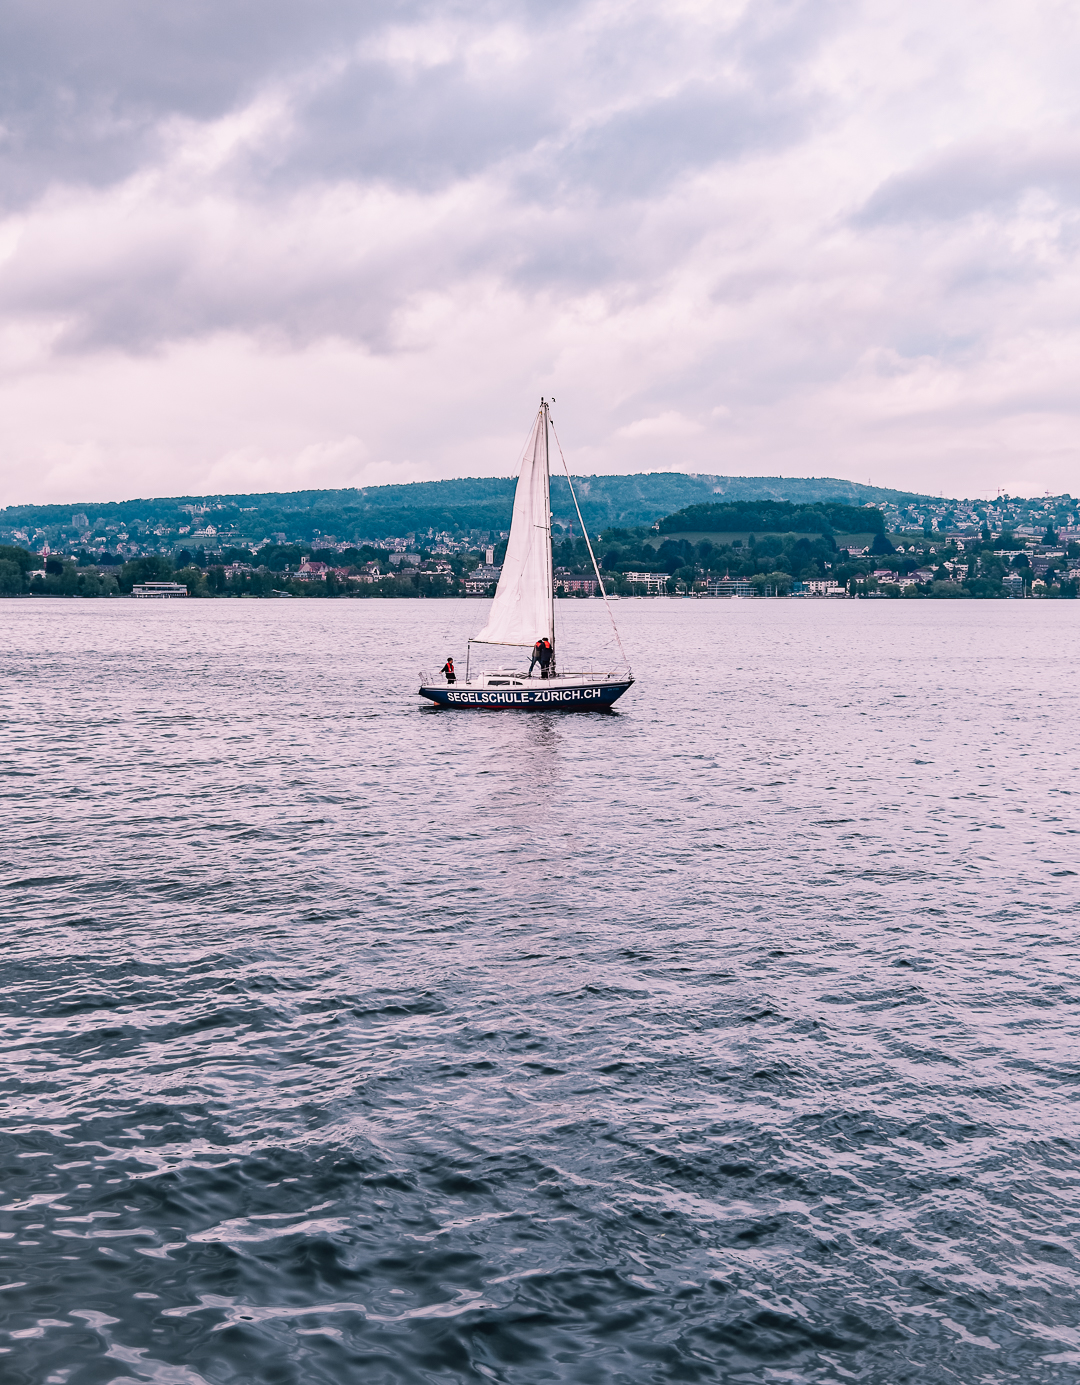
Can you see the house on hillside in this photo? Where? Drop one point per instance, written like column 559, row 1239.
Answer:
column 312, row 572
column 481, row 579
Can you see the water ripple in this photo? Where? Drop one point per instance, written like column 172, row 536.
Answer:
column 730, row 1037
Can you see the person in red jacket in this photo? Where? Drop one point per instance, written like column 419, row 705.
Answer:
column 542, row 654
column 448, row 669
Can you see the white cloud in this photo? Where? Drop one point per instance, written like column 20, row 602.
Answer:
column 666, row 425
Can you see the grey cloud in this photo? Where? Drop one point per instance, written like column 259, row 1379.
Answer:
column 641, row 152
column 446, row 123
column 83, row 87
column 424, row 132
column 178, row 283
column 83, row 95
column 569, row 179
column 974, row 179
column 759, row 103
column 175, row 288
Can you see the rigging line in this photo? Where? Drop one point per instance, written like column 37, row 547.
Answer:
column 588, row 544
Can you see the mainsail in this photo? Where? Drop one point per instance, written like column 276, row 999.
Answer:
column 523, row 609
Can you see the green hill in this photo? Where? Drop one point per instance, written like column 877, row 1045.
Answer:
column 481, row 504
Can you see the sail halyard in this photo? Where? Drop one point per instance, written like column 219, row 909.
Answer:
column 588, row 545
column 523, row 608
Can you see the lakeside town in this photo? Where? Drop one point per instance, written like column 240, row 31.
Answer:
column 904, row 547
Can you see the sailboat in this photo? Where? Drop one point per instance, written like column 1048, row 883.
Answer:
column 523, row 611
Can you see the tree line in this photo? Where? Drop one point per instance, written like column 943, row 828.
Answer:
column 771, row 562
column 27, row 574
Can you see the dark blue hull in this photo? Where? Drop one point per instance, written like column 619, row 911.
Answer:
column 586, row 697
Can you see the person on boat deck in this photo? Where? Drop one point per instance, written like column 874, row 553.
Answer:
column 542, row 654
column 448, row 669
column 537, row 647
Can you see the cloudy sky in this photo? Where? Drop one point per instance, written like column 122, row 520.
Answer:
column 268, row 244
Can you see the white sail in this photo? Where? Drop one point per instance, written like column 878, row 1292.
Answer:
column 522, row 610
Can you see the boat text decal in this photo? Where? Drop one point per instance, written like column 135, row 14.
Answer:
column 547, row 695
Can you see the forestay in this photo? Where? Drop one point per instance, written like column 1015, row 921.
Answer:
column 522, row 610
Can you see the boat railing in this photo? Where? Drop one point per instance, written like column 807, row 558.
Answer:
column 485, row 676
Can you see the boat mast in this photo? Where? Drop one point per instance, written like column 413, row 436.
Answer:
column 547, row 521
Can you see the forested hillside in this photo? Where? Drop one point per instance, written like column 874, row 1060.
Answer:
column 774, row 517
column 456, row 507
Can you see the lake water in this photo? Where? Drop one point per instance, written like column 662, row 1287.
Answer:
column 729, row 1037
